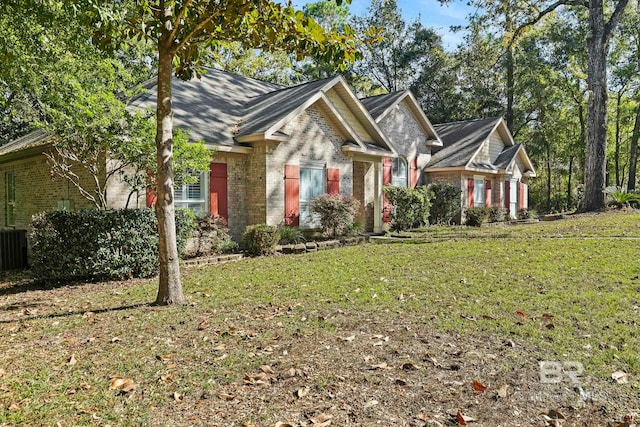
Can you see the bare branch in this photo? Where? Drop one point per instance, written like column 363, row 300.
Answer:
column 552, row 7
column 613, row 20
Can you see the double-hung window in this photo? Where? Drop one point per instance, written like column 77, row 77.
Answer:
column 478, row 192
column 312, row 184
column 10, row 197
column 399, row 172
column 193, row 196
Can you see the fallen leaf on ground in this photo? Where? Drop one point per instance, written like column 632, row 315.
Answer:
column 125, row 385
column 302, row 392
column 267, row 369
column 553, row 418
column 502, row 390
column 408, row 366
column 321, row 420
column 178, row 397
column 72, row 361
column 521, row 314
column 462, row 420
column 478, row 386
column 349, row 338
column 382, row 365
column 281, row 424
column 203, row 325
column 620, row 377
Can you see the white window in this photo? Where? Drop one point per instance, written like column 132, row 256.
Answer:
column 478, row 192
column 312, row 184
column 193, row 196
column 399, row 172
column 10, row 192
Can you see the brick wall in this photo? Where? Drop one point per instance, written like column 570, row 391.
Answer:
column 407, row 136
column 237, row 180
column 37, row 190
column 312, row 139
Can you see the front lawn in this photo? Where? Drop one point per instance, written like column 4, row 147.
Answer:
column 373, row 335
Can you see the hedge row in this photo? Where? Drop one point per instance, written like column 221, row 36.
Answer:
column 99, row 245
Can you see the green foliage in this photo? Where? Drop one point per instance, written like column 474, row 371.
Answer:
column 475, row 216
column 289, row 235
column 356, row 228
column 525, row 213
column 336, row 213
column 445, row 203
column 99, row 245
column 261, row 239
column 496, row 214
column 620, row 199
column 210, row 235
column 410, row 206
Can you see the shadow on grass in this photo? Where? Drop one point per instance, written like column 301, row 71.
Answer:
column 79, row 312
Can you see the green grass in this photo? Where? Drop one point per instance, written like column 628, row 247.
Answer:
column 576, row 270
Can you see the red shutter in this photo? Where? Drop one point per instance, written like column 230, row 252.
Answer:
column 387, row 165
column 507, row 195
column 520, row 195
column 218, row 190
column 151, row 191
column 413, row 173
column 333, row 181
column 470, row 192
column 487, row 193
column 386, row 170
column 292, row 195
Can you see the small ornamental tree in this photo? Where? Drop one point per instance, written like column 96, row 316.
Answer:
column 178, row 29
column 336, row 213
column 445, row 203
column 410, row 206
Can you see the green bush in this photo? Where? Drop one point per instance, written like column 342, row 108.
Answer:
column 620, row 199
column 99, row 245
column 410, row 206
column 524, row 214
column 290, row 235
column 496, row 214
column 336, row 213
column 445, row 204
column 211, row 235
column 261, row 239
column 475, row 216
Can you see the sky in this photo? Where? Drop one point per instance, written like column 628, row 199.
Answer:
column 431, row 13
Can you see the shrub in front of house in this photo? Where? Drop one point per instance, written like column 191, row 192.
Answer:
column 261, row 239
column 211, row 235
column 445, row 203
column 99, row 244
column 410, row 206
column 525, row 213
column 290, row 235
column 476, row 216
column 336, row 213
column 496, row 214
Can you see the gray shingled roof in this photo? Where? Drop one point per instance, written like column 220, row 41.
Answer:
column 264, row 111
column 376, row 105
column 460, row 141
column 36, row 138
column 210, row 107
column 507, row 155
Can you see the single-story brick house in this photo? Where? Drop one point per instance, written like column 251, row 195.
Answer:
column 481, row 157
column 274, row 149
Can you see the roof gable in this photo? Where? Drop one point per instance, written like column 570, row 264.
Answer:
column 382, row 105
column 461, row 141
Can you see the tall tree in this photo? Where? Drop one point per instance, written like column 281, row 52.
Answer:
column 404, row 52
column 601, row 29
column 178, row 29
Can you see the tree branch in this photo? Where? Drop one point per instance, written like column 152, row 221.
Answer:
column 189, row 36
column 181, row 13
column 552, row 7
column 613, row 20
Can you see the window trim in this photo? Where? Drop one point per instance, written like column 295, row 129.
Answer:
column 203, row 200
column 479, row 189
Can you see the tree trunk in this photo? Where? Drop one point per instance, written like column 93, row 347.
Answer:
column 633, row 158
column 596, row 150
column 548, row 150
column 569, row 196
column 509, row 27
column 616, row 155
column 170, row 286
